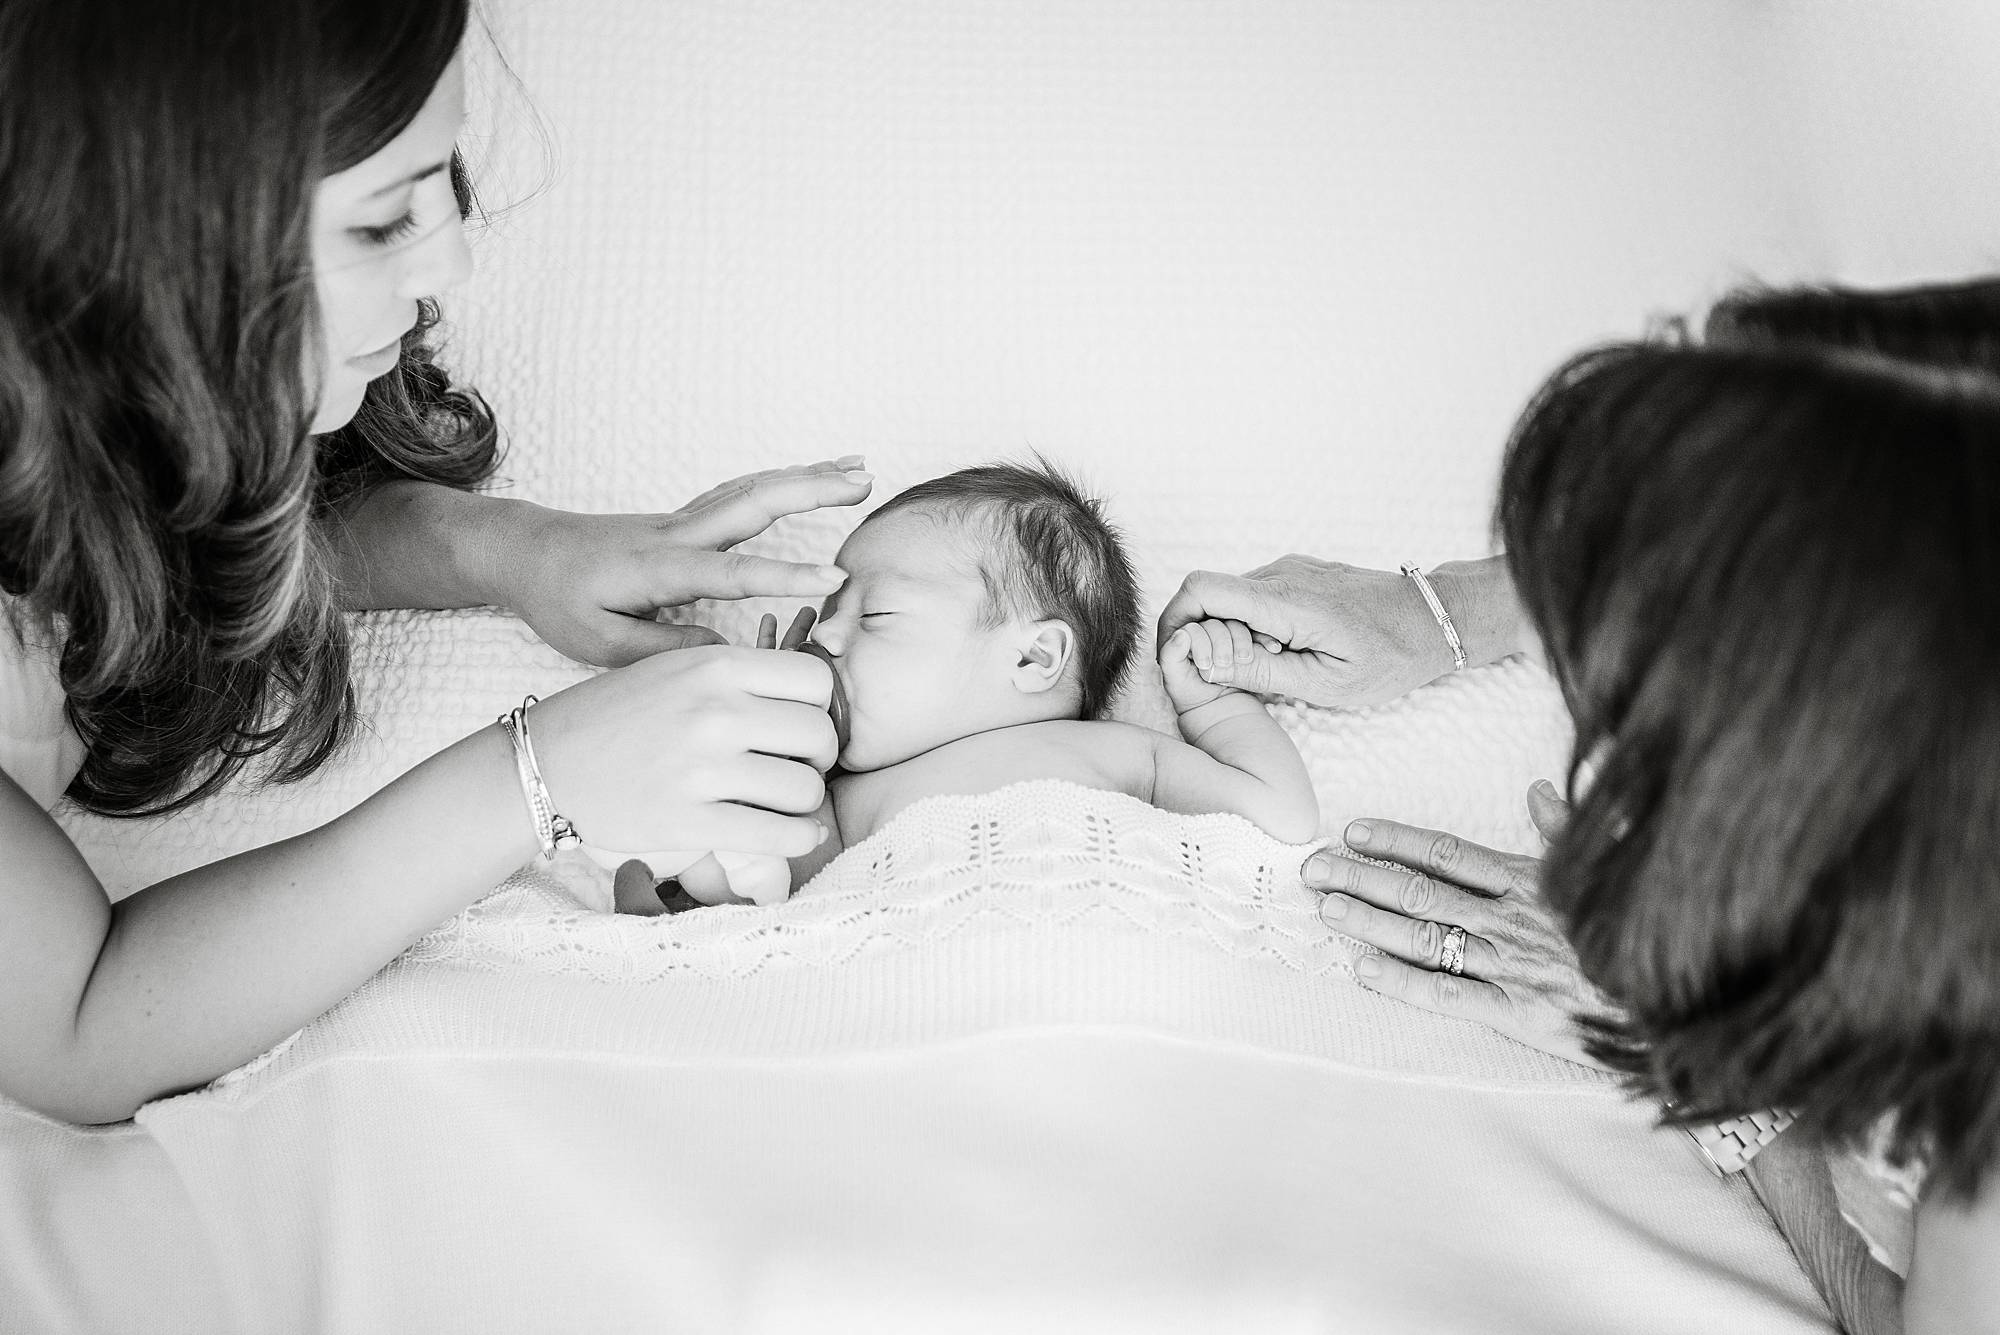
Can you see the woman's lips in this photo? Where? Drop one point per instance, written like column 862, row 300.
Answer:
column 381, row 361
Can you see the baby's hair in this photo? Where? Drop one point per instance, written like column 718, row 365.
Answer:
column 1059, row 556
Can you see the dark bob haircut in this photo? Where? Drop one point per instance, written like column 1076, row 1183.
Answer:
column 1939, row 324
column 1769, row 584
column 162, row 503
column 1056, row 556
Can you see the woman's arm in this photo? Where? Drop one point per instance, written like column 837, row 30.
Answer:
column 1954, row 1282
column 589, row 584
column 1342, row 635
column 104, row 1006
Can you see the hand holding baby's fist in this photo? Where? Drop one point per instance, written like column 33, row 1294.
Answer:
column 1203, row 660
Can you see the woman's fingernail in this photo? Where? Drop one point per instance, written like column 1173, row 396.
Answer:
column 1368, row 966
column 846, row 461
column 1358, row 834
column 1546, row 789
column 823, row 832
column 834, row 573
column 1318, row 869
column 1333, row 907
column 859, row 477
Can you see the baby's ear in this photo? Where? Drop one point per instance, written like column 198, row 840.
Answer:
column 1045, row 657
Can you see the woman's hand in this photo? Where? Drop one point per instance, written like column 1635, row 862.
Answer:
column 591, row 585
column 1519, row 974
column 715, row 747
column 1333, row 634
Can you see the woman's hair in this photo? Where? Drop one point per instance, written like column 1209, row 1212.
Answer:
column 160, row 495
column 1053, row 553
column 1767, row 582
column 1941, row 324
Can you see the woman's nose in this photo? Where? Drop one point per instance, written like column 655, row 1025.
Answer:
column 437, row 264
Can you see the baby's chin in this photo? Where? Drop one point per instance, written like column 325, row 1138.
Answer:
column 858, row 757
column 868, row 749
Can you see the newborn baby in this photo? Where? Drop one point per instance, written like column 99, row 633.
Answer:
column 987, row 619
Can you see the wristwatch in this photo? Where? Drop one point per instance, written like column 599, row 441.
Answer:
column 1729, row 1146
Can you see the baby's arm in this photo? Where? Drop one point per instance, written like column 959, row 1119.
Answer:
column 1236, row 757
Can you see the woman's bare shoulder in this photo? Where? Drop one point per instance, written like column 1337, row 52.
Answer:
column 38, row 748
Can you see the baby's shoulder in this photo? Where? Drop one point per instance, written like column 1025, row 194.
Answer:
column 1115, row 755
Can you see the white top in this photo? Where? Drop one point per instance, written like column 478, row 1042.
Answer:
column 38, row 748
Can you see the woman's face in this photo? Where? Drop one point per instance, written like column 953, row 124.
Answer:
column 385, row 233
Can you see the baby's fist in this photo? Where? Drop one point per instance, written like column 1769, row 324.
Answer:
column 1202, row 660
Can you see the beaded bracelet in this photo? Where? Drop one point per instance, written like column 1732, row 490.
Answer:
column 553, row 830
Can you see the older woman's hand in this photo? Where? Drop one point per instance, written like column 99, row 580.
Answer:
column 591, row 585
column 1518, row 976
column 1333, row 634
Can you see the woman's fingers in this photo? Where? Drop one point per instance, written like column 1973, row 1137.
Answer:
column 1205, row 594
column 1410, row 894
column 1549, row 812
column 743, row 507
column 1464, row 997
column 772, row 783
column 784, row 728
column 1418, row 940
column 1443, row 857
column 767, row 631
column 744, row 829
column 627, row 639
column 680, row 575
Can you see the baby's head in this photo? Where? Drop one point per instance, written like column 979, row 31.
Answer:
column 986, row 598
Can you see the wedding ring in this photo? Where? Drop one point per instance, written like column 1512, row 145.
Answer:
column 1452, row 958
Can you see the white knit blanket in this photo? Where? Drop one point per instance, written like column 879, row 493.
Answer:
column 1044, row 1059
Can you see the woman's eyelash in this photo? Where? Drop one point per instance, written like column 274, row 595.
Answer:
column 870, row 616
column 389, row 233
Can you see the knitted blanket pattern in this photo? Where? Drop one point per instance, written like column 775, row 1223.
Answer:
column 1045, row 857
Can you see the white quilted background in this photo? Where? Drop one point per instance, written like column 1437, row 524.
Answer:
column 1272, row 276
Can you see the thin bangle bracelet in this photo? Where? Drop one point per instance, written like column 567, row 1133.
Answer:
column 1432, row 601
column 553, row 830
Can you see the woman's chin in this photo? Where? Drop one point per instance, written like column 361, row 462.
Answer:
column 337, row 406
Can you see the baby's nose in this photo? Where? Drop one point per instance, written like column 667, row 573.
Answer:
column 830, row 636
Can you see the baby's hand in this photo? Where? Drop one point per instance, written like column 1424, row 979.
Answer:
column 1199, row 661
column 795, row 635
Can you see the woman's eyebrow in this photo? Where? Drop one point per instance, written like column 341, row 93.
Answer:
column 422, row 175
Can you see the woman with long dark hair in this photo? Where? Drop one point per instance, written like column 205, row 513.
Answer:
column 223, row 226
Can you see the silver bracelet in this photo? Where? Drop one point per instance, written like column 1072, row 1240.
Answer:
column 1729, row 1146
column 1411, row 569
column 553, row 830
